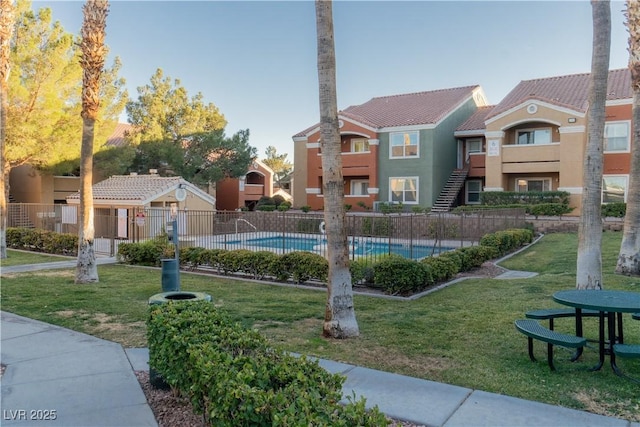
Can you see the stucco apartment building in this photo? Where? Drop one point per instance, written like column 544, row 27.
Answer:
column 533, row 140
column 398, row 148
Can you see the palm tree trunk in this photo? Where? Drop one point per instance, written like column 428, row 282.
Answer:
column 92, row 62
column 589, row 263
column 6, row 32
column 629, row 256
column 340, row 318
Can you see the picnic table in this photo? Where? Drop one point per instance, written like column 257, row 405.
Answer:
column 610, row 304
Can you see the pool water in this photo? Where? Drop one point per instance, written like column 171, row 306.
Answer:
column 359, row 247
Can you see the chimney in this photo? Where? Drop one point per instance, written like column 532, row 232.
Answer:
column 153, row 171
column 133, row 173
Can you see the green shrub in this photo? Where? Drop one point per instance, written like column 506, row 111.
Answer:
column 211, row 258
column 192, row 257
column 301, row 266
column 548, row 209
column 400, row 276
column 475, row 256
column 37, row 240
column 496, row 198
column 278, row 200
column 615, row 210
column 456, row 258
column 507, row 240
column 439, row 268
column 305, row 208
column 259, row 264
column 234, row 261
column 231, row 375
column 149, row 252
column 362, row 271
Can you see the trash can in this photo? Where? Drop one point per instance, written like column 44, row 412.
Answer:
column 170, row 275
column 165, row 297
column 155, row 379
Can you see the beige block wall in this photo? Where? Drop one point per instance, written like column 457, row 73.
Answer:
column 299, row 174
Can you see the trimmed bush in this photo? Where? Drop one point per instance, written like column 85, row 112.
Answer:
column 234, row 261
column 37, row 240
column 615, row 210
column 440, row 269
column 301, row 266
column 259, row 264
column 233, row 377
column 400, row 276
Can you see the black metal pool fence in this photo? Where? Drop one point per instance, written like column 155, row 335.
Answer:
column 276, row 231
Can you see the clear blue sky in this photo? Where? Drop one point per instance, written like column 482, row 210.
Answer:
column 257, row 60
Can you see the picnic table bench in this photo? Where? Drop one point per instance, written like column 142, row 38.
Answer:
column 533, row 329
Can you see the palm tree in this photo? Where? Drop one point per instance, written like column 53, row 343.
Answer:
column 340, row 318
column 589, row 264
column 629, row 256
column 92, row 61
column 6, row 30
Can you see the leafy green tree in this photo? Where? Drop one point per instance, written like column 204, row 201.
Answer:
column 164, row 112
column 44, row 125
column 201, row 158
column 6, row 30
column 178, row 135
column 278, row 163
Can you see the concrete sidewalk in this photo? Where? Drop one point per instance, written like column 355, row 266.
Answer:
column 90, row 382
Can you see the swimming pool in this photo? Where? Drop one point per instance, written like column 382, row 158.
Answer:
column 359, row 246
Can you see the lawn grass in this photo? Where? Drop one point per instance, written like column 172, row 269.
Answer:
column 462, row 335
column 24, row 257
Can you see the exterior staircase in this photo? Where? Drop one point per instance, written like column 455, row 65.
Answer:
column 18, row 215
column 450, row 191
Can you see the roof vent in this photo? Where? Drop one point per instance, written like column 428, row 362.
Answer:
column 153, row 171
column 133, row 173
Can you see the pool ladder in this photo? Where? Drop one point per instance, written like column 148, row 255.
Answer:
column 245, row 221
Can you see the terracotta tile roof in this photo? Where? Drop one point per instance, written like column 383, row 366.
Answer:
column 476, row 121
column 132, row 188
column 570, row 91
column 418, row 108
column 117, row 137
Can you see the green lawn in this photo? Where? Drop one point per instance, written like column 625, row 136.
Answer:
column 23, row 257
column 461, row 335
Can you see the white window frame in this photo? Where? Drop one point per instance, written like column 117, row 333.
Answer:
column 544, row 179
column 626, row 186
column 468, row 191
column 357, row 183
column 416, row 180
column 401, row 136
column 533, row 131
column 468, row 143
column 356, row 141
column 627, row 124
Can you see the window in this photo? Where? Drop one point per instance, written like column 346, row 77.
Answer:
column 403, row 144
column 616, row 136
column 474, row 188
column 359, row 145
column 474, row 146
column 533, row 184
column 533, row 136
column 403, row 190
column 359, row 187
column 614, row 189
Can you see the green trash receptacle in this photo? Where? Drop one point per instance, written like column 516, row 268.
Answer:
column 170, row 275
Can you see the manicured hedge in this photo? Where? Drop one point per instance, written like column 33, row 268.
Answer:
column 234, row 377
column 37, row 240
column 393, row 274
